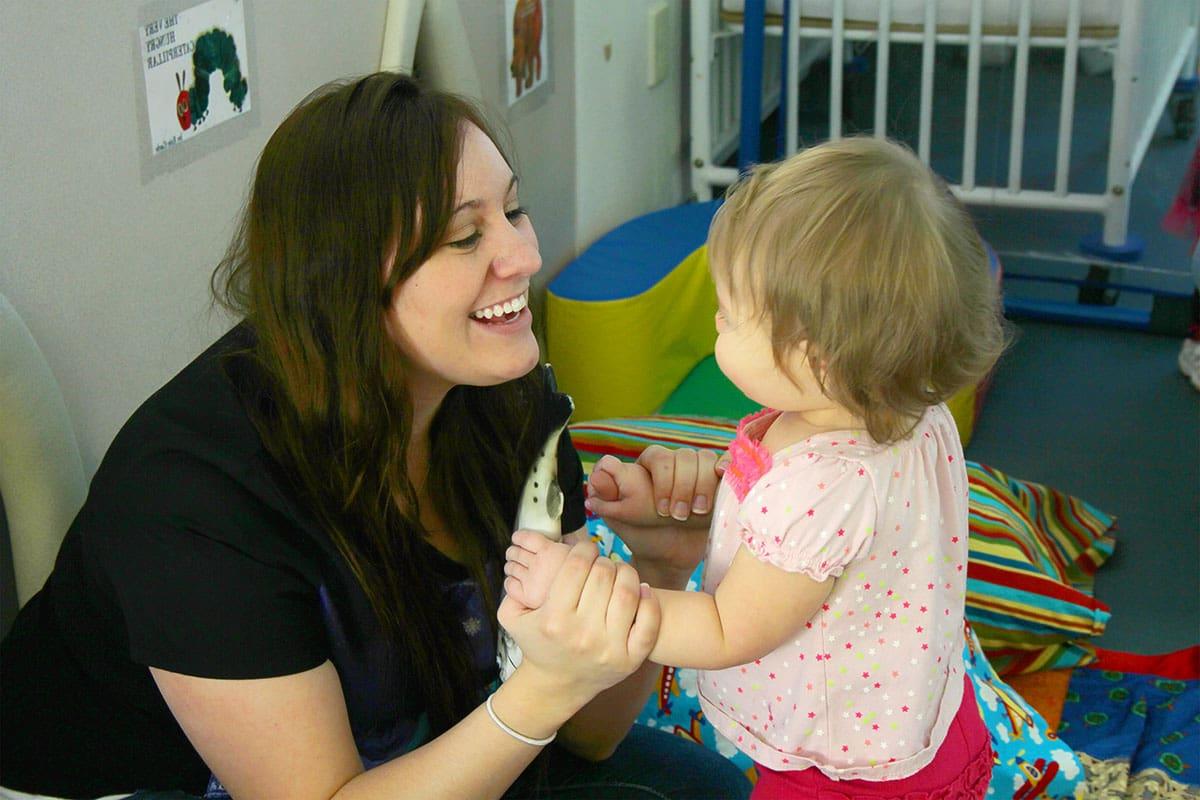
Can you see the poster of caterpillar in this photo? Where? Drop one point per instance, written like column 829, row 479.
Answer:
column 194, row 64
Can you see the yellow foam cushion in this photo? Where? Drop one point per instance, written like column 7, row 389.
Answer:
column 624, row 357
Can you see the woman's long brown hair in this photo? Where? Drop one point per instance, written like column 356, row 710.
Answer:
column 357, row 170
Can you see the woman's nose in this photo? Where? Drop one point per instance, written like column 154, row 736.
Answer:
column 519, row 253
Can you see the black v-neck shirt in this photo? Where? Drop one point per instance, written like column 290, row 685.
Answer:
column 194, row 554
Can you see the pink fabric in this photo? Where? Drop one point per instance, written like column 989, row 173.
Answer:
column 748, row 459
column 867, row 690
column 961, row 770
column 1183, row 217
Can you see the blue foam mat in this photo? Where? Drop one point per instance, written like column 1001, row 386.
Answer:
column 635, row 256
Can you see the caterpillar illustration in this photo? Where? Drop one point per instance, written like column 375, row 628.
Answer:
column 215, row 50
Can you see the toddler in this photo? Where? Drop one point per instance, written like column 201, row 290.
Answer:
column 854, row 298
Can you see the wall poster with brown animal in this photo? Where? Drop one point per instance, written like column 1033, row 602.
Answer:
column 527, row 53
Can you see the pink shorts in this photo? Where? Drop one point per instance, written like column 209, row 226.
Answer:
column 961, row 770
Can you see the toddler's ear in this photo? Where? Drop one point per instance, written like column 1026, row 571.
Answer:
column 813, row 358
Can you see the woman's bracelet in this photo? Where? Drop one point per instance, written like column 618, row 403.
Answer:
column 518, row 736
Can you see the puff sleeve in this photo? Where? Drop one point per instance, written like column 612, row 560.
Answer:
column 815, row 517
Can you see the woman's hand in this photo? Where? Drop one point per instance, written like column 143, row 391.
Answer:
column 660, row 506
column 663, row 484
column 596, row 626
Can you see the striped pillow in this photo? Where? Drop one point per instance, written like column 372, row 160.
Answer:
column 1033, row 555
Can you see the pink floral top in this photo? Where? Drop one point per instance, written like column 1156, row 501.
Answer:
column 868, row 688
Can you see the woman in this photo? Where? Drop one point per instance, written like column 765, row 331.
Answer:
column 284, row 580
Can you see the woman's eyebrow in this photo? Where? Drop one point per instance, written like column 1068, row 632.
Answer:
column 476, row 203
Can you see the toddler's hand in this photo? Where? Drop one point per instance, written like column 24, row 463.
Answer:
column 531, row 564
column 620, row 491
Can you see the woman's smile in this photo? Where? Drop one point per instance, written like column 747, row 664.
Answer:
column 505, row 311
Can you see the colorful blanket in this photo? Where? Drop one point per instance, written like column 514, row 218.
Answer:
column 1134, row 722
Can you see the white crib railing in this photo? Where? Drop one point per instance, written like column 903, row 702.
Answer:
column 1154, row 42
column 721, row 82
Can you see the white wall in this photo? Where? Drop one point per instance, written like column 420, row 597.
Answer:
column 111, row 274
column 629, row 139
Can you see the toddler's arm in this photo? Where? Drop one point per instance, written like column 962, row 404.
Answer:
column 756, row 608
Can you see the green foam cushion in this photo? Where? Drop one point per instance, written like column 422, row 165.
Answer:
column 707, row 392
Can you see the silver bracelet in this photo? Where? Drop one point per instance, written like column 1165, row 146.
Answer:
column 518, row 736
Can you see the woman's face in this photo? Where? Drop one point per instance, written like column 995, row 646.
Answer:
column 462, row 317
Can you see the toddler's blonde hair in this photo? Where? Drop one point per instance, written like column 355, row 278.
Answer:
column 857, row 249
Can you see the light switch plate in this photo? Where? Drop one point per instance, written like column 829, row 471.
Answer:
column 658, row 44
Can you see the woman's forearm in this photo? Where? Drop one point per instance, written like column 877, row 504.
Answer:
column 599, row 727
column 475, row 758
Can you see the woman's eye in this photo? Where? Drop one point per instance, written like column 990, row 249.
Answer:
column 467, row 242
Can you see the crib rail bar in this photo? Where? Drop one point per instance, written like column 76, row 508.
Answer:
column 928, row 41
column 1191, row 61
column 733, row 83
column 752, row 80
column 837, row 66
column 702, row 46
column 942, row 37
column 787, row 98
column 1177, row 62
column 1020, row 84
column 1066, row 110
column 971, row 128
column 1116, row 218
column 908, row 36
column 980, row 195
column 717, row 176
column 1031, row 198
column 881, row 68
column 792, row 84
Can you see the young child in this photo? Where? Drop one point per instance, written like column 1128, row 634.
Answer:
column 854, row 298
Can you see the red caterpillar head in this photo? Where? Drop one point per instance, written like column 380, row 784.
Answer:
column 183, row 108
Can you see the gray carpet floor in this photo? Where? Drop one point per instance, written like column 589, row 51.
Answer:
column 1106, row 415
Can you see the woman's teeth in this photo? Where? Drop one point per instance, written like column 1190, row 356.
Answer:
column 502, row 309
